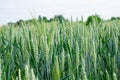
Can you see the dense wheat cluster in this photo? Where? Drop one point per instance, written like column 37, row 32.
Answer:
column 60, row 51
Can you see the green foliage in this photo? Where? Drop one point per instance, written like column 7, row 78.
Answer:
column 20, row 22
column 59, row 18
column 55, row 51
column 93, row 19
column 115, row 18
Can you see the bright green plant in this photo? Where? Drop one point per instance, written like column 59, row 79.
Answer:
column 60, row 51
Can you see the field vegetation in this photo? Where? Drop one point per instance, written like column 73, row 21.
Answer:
column 60, row 50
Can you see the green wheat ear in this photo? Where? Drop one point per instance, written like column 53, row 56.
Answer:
column 107, row 75
column 83, row 71
column 35, row 48
column 32, row 75
column 77, row 54
column 56, row 70
column 77, row 60
column 0, row 69
column 114, row 76
column 19, row 74
column 27, row 75
column 62, row 60
column 45, row 48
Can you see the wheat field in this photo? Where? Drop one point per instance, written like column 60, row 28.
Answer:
column 60, row 51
